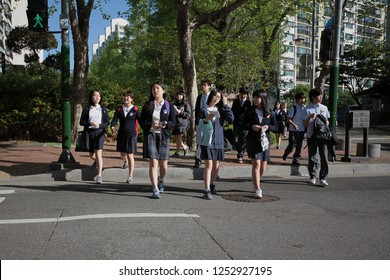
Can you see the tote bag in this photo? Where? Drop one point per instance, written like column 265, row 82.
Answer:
column 264, row 141
column 204, row 133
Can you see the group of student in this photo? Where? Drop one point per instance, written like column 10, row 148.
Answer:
column 298, row 120
column 159, row 119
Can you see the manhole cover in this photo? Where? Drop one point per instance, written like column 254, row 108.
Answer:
column 249, row 198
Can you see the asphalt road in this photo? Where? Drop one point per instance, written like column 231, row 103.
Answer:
column 295, row 221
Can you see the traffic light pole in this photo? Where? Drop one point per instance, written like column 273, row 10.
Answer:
column 335, row 68
column 66, row 155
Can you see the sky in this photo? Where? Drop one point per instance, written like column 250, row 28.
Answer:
column 97, row 24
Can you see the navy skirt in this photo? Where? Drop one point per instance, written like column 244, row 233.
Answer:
column 126, row 143
column 211, row 153
column 96, row 139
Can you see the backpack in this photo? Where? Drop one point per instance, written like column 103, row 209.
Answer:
column 322, row 134
column 136, row 120
column 167, row 105
column 292, row 118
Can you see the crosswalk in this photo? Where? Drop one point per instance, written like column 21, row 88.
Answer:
column 5, row 192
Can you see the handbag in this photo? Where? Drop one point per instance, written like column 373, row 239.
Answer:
column 204, row 133
column 264, row 141
column 82, row 142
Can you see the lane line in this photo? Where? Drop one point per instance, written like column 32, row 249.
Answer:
column 97, row 216
column 6, row 191
column 2, row 199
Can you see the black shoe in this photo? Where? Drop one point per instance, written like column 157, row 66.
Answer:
column 296, row 163
column 197, row 165
column 284, row 157
column 213, row 189
column 175, row 155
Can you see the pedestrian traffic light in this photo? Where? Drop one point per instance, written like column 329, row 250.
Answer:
column 37, row 15
column 326, row 44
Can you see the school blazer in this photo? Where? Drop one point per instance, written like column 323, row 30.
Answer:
column 166, row 115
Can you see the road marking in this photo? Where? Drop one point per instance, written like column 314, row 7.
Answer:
column 97, row 216
column 6, row 191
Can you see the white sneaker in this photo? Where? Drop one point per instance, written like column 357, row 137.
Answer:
column 99, row 180
column 312, row 181
column 129, row 180
column 258, row 193
column 324, row 183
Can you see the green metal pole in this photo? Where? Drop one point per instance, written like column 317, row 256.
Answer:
column 335, row 69
column 66, row 155
column 65, row 88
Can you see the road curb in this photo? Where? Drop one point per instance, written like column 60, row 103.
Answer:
column 175, row 173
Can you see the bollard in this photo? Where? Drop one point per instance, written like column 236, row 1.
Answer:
column 341, row 145
column 374, row 150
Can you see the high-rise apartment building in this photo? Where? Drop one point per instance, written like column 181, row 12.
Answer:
column 116, row 28
column 296, row 62
column 5, row 27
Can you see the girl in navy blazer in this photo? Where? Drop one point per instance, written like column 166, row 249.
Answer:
column 259, row 118
column 128, row 116
column 157, row 119
column 214, row 153
column 95, row 119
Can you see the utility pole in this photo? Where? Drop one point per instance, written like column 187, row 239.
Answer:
column 278, row 71
column 66, row 155
column 335, row 68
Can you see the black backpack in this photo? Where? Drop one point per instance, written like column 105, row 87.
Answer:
column 322, row 134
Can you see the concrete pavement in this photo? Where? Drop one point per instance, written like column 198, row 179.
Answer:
column 294, row 221
column 34, row 161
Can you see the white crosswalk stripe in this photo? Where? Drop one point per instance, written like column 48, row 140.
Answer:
column 97, row 216
column 3, row 192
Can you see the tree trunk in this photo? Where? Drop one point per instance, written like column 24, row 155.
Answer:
column 79, row 20
column 186, row 27
column 187, row 60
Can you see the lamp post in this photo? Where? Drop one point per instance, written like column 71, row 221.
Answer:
column 278, row 72
column 334, row 71
column 298, row 41
column 313, row 47
column 66, row 155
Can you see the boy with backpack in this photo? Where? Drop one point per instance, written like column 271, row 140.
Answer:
column 316, row 147
column 296, row 128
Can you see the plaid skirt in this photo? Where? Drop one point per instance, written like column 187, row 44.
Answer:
column 126, row 143
column 155, row 147
column 211, row 153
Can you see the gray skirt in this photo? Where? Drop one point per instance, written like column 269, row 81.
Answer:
column 155, row 147
column 255, row 151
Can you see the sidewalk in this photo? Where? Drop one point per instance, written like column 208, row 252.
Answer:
column 20, row 159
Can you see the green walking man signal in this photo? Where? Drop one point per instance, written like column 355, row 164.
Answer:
column 37, row 15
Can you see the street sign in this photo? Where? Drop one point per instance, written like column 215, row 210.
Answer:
column 64, row 22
